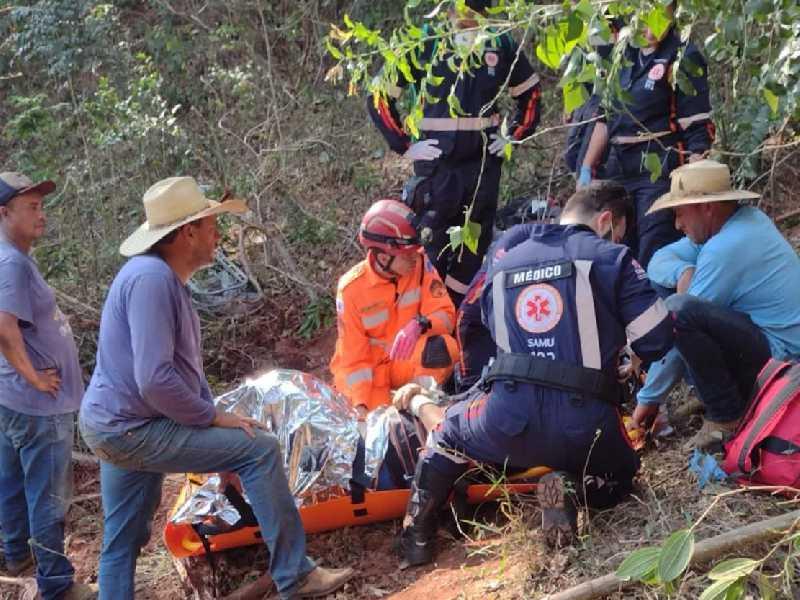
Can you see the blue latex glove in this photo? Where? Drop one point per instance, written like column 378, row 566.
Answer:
column 584, row 176
column 706, row 468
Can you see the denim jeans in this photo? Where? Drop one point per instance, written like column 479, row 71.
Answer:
column 723, row 351
column 132, row 469
column 35, row 493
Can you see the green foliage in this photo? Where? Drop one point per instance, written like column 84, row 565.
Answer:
column 318, row 314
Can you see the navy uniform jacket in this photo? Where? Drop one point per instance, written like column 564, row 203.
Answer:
column 474, row 90
column 567, row 295
column 656, row 107
column 474, row 339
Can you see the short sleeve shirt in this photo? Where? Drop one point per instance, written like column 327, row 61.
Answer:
column 46, row 334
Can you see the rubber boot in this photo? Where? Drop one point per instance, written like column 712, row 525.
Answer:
column 429, row 493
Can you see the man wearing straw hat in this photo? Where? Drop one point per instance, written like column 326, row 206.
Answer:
column 148, row 409
column 741, row 283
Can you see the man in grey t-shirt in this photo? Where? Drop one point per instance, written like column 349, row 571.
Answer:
column 40, row 390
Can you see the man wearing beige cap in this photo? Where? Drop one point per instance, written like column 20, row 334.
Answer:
column 148, row 409
column 40, row 390
column 738, row 281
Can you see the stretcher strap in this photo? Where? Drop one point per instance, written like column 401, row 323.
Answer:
column 554, row 374
column 212, row 561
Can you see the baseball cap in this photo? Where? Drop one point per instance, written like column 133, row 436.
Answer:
column 13, row 184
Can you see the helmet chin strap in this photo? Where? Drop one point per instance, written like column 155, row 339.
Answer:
column 374, row 253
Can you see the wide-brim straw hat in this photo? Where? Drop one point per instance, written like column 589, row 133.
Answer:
column 700, row 182
column 170, row 203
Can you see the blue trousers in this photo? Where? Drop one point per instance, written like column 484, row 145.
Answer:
column 35, row 493
column 536, row 427
column 132, row 470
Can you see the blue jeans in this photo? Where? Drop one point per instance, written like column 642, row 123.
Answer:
column 723, row 351
column 132, row 470
column 35, row 493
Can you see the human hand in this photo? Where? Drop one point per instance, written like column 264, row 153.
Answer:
column 405, row 340
column 643, row 416
column 423, row 150
column 234, row 421
column 47, row 381
column 227, row 478
column 402, row 396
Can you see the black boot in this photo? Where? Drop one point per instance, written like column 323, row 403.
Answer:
column 429, row 493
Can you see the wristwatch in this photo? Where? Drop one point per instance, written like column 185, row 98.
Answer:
column 424, row 323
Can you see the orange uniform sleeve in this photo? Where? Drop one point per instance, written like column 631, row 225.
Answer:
column 351, row 364
column 435, row 302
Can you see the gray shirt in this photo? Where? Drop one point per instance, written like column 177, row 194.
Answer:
column 149, row 355
column 46, row 334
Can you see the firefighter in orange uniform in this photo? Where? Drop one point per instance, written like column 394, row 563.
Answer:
column 395, row 318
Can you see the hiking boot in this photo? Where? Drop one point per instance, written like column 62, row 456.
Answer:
column 82, row 591
column 321, row 582
column 712, row 436
column 15, row 569
column 556, row 494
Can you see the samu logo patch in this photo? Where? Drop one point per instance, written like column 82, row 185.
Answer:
column 539, row 308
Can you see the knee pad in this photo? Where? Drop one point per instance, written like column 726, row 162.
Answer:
column 435, row 354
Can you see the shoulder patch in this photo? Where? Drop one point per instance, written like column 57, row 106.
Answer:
column 354, row 273
column 539, row 274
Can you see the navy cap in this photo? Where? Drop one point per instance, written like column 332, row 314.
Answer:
column 13, row 184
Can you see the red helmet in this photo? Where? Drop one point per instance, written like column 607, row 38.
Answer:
column 387, row 226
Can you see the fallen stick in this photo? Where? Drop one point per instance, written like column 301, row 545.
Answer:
column 703, row 551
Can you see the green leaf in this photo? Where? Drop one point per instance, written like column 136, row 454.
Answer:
column 472, row 233
column 639, row 564
column 736, row 591
column 456, row 237
column 765, row 588
column 333, row 51
column 575, row 95
column 658, row 21
column 677, row 550
column 717, row 590
column 507, row 151
column 552, row 48
column 733, row 568
column 772, row 100
column 653, row 164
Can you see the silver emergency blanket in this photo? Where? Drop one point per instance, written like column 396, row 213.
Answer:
column 318, row 433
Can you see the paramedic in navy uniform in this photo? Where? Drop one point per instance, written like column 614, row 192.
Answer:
column 560, row 305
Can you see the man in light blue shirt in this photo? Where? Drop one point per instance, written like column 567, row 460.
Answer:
column 738, row 284
column 40, row 390
column 148, row 410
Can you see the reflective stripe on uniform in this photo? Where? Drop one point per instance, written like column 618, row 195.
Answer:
column 499, row 300
column 376, row 342
column 523, row 87
column 646, row 322
column 684, row 122
column 587, row 318
column 639, row 138
column 458, row 123
column 455, row 285
column 375, row 319
column 409, row 297
column 359, row 376
column 443, row 317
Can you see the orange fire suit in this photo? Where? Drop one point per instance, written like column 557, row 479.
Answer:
column 371, row 310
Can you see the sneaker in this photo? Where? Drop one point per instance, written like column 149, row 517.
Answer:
column 15, row 569
column 321, row 582
column 712, row 436
column 556, row 494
